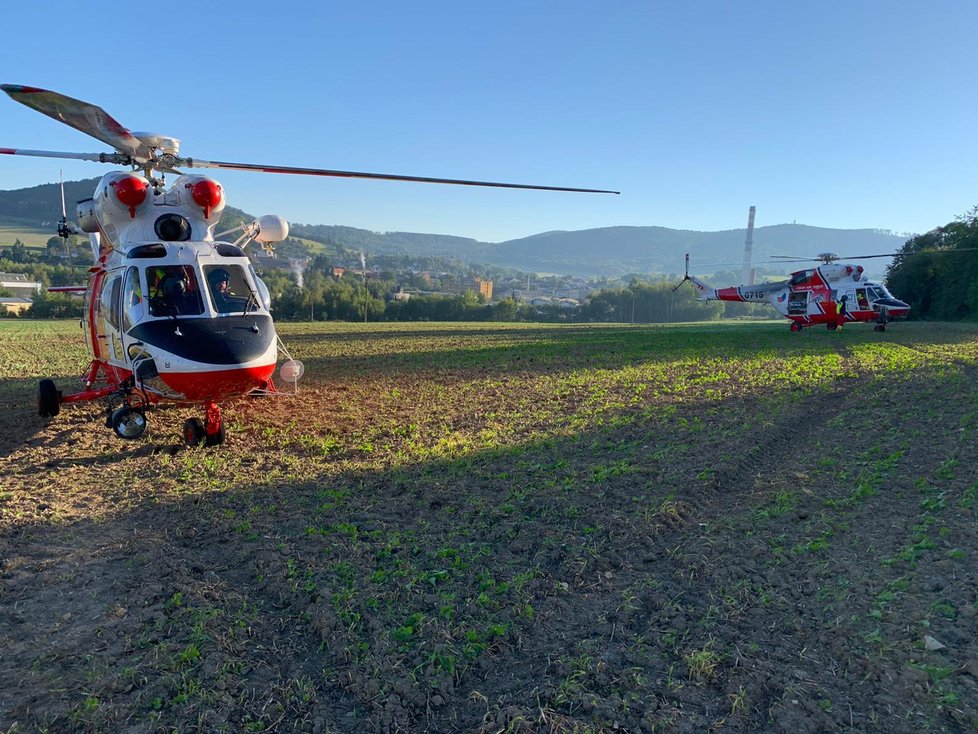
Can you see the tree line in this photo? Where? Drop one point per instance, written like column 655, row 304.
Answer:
column 937, row 272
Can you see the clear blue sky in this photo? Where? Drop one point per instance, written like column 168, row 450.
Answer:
column 835, row 114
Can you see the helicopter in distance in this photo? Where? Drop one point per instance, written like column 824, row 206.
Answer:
column 172, row 311
column 832, row 293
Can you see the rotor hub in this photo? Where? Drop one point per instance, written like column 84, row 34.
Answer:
column 163, row 143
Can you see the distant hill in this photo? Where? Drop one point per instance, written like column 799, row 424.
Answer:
column 617, row 250
column 608, row 251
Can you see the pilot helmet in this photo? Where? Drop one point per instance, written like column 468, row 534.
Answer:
column 174, row 286
column 218, row 275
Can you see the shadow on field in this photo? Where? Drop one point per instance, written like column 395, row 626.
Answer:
column 18, row 404
column 608, row 577
column 297, row 598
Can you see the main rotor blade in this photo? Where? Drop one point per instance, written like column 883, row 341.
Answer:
column 82, row 116
column 196, row 163
column 120, row 159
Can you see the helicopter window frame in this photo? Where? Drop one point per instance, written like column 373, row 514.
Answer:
column 263, row 292
column 185, row 301
column 133, row 303
column 113, row 289
column 879, row 292
column 232, row 301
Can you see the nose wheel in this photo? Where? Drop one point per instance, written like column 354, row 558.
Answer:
column 210, row 431
column 128, row 422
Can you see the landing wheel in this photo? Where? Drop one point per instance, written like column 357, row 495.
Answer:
column 795, row 326
column 128, row 423
column 193, row 431
column 879, row 327
column 217, row 438
column 48, row 399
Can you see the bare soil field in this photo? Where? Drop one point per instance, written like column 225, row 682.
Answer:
column 506, row 528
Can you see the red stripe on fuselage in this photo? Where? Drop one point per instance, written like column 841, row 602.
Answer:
column 219, row 384
column 729, row 294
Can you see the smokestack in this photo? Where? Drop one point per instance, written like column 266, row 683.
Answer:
column 748, row 276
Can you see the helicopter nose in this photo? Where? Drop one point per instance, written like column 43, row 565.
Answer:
column 220, row 342
column 892, row 306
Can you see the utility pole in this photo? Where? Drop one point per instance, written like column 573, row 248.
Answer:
column 366, row 293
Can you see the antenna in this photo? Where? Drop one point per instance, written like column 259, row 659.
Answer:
column 748, row 244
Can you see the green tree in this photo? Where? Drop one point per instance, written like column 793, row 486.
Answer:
column 55, row 306
column 937, row 272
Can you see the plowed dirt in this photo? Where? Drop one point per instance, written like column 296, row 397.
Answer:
column 506, row 529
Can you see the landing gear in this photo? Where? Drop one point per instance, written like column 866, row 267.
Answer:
column 48, row 399
column 211, row 433
column 193, row 431
column 125, row 411
column 882, row 319
column 795, row 326
column 128, row 422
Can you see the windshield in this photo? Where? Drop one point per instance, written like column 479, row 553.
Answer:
column 173, row 291
column 229, row 289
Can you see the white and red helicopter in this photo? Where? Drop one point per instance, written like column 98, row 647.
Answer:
column 171, row 312
column 832, row 293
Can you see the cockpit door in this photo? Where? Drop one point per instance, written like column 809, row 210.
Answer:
column 133, row 307
column 108, row 312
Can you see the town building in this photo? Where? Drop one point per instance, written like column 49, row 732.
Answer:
column 19, row 285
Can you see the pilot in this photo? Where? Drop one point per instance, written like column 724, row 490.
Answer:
column 220, row 283
column 169, row 297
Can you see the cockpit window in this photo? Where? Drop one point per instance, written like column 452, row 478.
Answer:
column 229, row 289
column 133, row 306
column 173, row 291
column 226, row 250
column 154, row 250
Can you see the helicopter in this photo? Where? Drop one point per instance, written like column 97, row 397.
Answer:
column 832, row 293
column 173, row 312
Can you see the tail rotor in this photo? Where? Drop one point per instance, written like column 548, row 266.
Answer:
column 64, row 228
column 685, row 277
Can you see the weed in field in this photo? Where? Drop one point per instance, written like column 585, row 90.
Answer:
column 702, row 663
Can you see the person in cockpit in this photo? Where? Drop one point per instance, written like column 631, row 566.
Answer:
column 223, row 298
column 171, row 296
